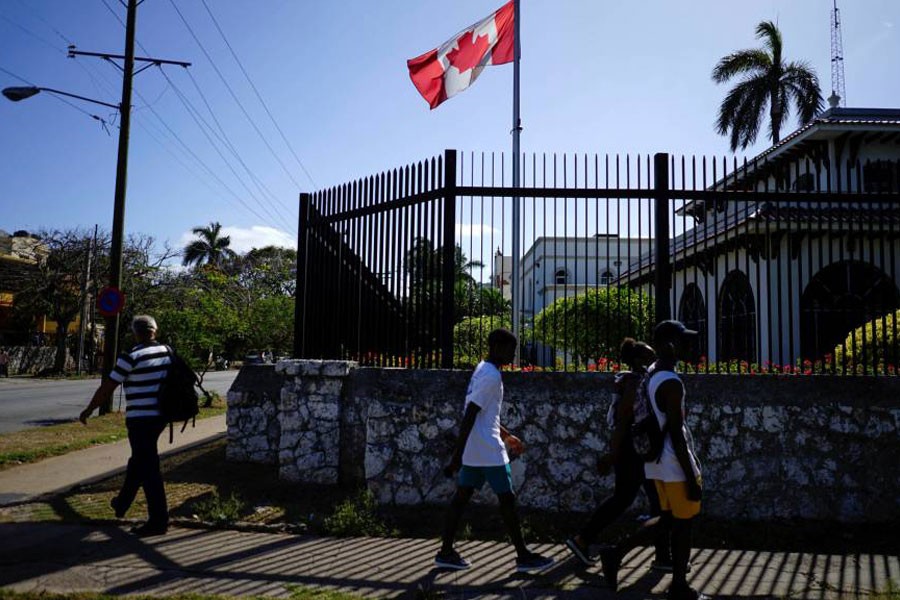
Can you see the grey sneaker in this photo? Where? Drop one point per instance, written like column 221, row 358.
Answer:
column 451, row 560
column 533, row 562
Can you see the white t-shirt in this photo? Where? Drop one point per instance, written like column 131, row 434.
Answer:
column 668, row 468
column 485, row 448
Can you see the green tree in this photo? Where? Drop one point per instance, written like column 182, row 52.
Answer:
column 592, row 324
column 211, row 248
column 269, row 271
column 199, row 315
column 271, row 324
column 470, row 338
column 872, row 347
column 766, row 79
column 54, row 289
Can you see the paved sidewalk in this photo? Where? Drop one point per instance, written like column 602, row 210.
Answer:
column 67, row 558
column 60, row 473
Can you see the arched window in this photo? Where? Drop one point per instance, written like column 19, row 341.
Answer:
column 737, row 319
column 692, row 312
column 840, row 298
column 606, row 278
column 562, row 277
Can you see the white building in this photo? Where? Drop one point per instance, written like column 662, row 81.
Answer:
column 781, row 281
column 762, row 280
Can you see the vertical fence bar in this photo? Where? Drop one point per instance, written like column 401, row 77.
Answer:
column 449, row 256
column 661, row 214
column 300, row 288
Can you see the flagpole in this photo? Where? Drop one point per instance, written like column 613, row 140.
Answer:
column 516, row 164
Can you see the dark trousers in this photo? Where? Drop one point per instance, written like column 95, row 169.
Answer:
column 629, row 471
column 143, row 468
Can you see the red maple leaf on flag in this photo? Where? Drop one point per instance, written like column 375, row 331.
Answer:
column 468, row 53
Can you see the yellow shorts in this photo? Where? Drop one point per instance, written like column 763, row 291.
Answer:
column 673, row 498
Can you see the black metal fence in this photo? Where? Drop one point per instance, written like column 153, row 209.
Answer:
column 788, row 264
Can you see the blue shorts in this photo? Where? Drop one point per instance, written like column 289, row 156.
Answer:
column 499, row 477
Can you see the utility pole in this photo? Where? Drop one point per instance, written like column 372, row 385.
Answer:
column 88, row 259
column 111, row 335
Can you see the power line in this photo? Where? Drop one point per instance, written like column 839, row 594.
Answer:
column 264, row 190
column 200, row 161
column 234, row 96
column 215, row 147
column 201, row 123
column 258, row 95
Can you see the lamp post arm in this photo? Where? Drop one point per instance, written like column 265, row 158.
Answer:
column 91, row 100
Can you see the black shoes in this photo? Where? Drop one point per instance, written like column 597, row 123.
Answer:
column 149, row 530
column 117, row 507
column 451, row 560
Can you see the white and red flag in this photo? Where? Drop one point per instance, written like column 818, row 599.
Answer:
column 446, row 71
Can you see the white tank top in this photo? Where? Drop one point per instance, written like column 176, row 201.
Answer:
column 668, row 468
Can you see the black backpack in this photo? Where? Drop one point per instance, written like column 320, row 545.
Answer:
column 647, row 435
column 178, row 398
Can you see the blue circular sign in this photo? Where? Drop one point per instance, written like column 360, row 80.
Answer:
column 110, row 301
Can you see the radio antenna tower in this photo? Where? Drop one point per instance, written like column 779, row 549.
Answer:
column 838, row 91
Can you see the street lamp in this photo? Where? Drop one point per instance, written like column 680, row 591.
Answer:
column 116, row 241
column 21, row 93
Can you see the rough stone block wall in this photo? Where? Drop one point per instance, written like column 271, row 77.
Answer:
column 34, row 359
column 254, row 430
column 414, row 420
column 309, row 412
column 815, row 447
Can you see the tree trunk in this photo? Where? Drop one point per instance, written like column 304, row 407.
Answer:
column 59, row 363
column 775, row 115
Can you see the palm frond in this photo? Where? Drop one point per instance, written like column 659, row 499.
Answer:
column 749, row 61
column 771, row 36
column 741, row 113
column 804, row 87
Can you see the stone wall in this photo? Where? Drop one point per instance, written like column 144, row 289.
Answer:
column 254, row 428
column 29, row 360
column 771, row 447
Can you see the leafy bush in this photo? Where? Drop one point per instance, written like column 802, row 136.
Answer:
column 356, row 517
column 873, row 347
column 221, row 511
column 470, row 338
column 593, row 323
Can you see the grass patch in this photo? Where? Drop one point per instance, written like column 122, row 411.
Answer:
column 38, row 443
column 219, row 510
column 357, row 516
column 295, row 592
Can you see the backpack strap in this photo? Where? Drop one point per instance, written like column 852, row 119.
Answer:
column 171, row 433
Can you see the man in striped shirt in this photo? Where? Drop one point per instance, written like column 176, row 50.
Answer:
column 140, row 371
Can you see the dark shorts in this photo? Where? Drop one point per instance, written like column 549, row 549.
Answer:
column 500, row 478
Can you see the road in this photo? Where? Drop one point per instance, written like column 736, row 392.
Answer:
column 29, row 402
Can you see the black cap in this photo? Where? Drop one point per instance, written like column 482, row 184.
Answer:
column 671, row 330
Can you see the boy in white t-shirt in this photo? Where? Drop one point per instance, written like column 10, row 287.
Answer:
column 677, row 471
column 481, row 456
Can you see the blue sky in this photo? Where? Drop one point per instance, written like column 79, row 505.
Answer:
column 597, row 76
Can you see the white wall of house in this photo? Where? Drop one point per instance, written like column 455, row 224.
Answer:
column 779, row 284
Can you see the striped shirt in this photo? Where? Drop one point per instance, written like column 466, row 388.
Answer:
column 140, row 371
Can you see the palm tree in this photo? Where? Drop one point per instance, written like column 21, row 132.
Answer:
column 212, row 248
column 766, row 79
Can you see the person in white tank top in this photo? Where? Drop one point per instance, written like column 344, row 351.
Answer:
column 677, row 471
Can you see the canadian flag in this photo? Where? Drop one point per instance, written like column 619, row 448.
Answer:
column 446, row 71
